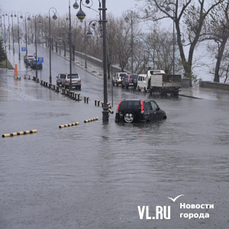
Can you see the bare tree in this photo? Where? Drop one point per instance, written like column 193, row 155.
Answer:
column 187, row 14
column 218, row 32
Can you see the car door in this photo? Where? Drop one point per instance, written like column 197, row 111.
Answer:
column 156, row 111
column 148, row 111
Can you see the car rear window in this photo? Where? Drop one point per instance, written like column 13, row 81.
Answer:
column 74, row 76
column 134, row 76
column 129, row 105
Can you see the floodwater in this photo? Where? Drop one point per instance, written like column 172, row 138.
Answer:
column 95, row 175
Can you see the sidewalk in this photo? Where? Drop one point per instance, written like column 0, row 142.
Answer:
column 14, row 59
column 80, row 62
column 205, row 93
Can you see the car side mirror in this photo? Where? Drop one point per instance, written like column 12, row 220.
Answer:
column 158, row 109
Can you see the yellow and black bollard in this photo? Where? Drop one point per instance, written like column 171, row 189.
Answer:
column 19, row 133
column 90, row 120
column 70, row 124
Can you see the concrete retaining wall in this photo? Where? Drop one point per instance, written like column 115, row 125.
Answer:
column 95, row 61
column 186, row 82
column 209, row 84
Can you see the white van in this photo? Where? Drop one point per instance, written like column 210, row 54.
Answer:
column 142, row 82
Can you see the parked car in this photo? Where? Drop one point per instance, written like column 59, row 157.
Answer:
column 137, row 110
column 59, row 79
column 142, row 82
column 28, row 59
column 117, row 78
column 130, row 81
column 76, row 81
column 35, row 65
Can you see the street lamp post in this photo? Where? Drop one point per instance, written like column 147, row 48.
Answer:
column 132, row 38
column 168, row 8
column 75, row 6
column 81, row 15
column 39, row 22
column 19, row 53
column 54, row 17
column 4, row 27
column 13, row 15
column 87, row 35
column 6, row 54
column 70, row 44
column 26, row 37
column 9, row 29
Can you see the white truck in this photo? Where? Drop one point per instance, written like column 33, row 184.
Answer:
column 143, row 79
column 159, row 81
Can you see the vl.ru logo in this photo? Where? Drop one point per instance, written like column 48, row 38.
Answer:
column 164, row 212
column 161, row 212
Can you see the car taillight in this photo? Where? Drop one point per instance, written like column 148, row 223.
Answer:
column 128, row 79
column 118, row 106
column 142, row 107
column 66, row 81
column 79, row 81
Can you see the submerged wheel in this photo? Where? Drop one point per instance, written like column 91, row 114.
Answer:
column 128, row 117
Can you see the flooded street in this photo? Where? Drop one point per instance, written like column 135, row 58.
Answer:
column 95, row 175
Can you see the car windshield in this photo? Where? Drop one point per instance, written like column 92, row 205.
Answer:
column 74, row 76
column 123, row 74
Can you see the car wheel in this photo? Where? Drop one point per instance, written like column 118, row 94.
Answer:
column 145, row 90
column 128, row 117
column 122, row 86
column 139, row 89
column 79, row 87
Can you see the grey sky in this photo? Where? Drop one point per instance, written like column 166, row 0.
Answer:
column 117, row 7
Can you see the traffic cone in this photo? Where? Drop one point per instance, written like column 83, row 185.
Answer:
column 15, row 71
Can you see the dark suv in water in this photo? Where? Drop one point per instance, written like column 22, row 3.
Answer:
column 137, row 110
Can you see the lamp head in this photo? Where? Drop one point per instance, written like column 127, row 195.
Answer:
column 127, row 19
column 54, row 17
column 167, row 8
column 89, row 33
column 80, row 15
column 75, row 5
